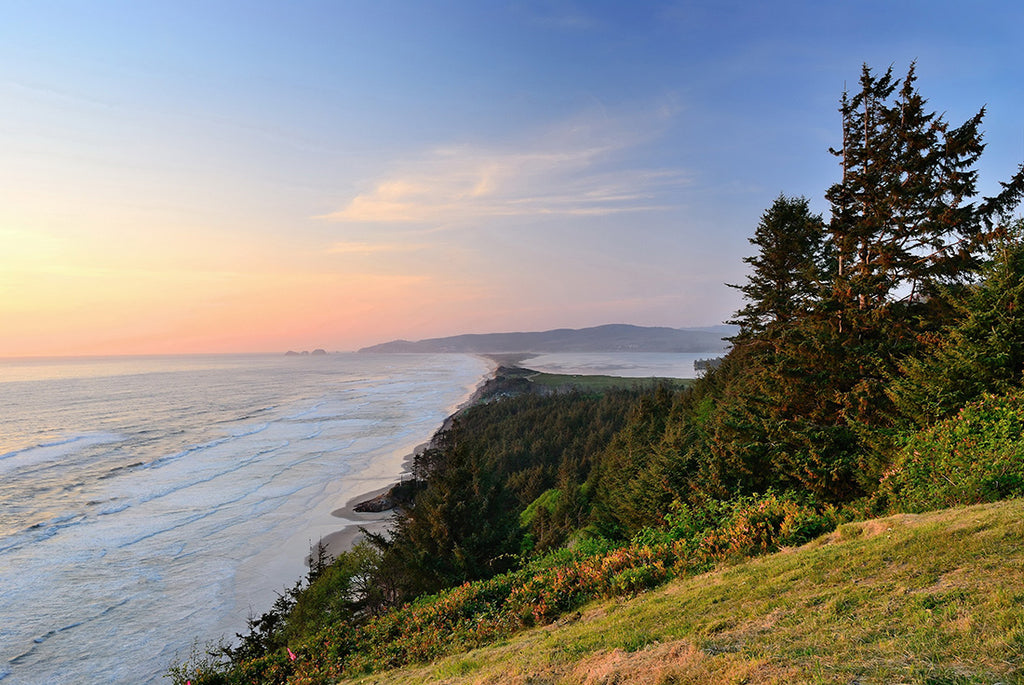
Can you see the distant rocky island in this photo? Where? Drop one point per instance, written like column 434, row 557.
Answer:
column 609, row 338
column 293, row 353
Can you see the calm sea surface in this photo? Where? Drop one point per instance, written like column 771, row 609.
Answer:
column 145, row 502
column 625, row 364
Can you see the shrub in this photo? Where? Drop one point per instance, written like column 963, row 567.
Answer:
column 763, row 524
column 975, row 456
column 638, row 579
column 478, row 613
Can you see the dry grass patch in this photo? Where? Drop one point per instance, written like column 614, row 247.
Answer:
column 678, row 662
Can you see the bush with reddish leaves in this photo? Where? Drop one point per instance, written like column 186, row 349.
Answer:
column 480, row 613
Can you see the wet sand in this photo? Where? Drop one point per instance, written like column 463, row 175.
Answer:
column 349, row 534
column 346, row 537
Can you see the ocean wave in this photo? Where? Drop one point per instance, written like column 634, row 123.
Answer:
column 39, row 640
column 53, row 450
column 215, row 512
column 255, row 413
column 117, row 470
column 167, row 459
column 209, row 463
column 43, row 530
column 116, row 509
column 17, row 659
column 306, row 412
column 55, row 443
column 246, row 431
column 240, row 433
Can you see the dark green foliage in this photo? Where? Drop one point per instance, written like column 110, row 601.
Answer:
column 786, row 275
column 457, row 529
column 768, row 417
column 725, row 436
column 775, row 423
column 339, row 592
column 270, row 630
column 972, row 457
column 802, row 401
column 497, row 459
column 540, row 521
column 982, row 352
column 637, row 477
column 546, row 502
column 906, row 227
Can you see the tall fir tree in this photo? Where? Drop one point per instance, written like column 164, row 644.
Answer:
column 787, row 273
column 773, row 423
column 906, row 227
column 906, row 220
column 903, row 220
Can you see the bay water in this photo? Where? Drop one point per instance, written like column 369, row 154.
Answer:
column 147, row 502
column 623, row 364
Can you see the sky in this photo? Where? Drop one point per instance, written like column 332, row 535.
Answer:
column 224, row 176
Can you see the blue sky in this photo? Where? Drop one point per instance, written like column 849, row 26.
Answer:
column 251, row 176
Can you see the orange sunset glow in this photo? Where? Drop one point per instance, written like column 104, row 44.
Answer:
column 179, row 180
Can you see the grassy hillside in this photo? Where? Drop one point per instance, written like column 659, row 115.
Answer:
column 599, row 383
column 932, row 598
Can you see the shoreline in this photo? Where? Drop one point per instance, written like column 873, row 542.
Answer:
column 350, row 533
column 493, row 384
column 343, row 539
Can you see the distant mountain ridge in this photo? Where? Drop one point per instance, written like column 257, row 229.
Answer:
column 608, row 338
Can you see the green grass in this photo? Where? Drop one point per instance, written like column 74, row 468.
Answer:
column 934, row 598
column 596, row 383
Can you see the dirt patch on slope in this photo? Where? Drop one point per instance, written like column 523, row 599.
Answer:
column 679, row 662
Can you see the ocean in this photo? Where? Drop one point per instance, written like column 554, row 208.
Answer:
column 148, row 502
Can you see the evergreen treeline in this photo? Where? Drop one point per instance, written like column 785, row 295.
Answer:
column 878, row 367
column 497, row 461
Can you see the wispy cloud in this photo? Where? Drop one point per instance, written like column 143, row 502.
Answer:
column 577, row 170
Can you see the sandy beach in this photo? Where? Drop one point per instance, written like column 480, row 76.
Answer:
column 344, row 538
column 351, row 521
